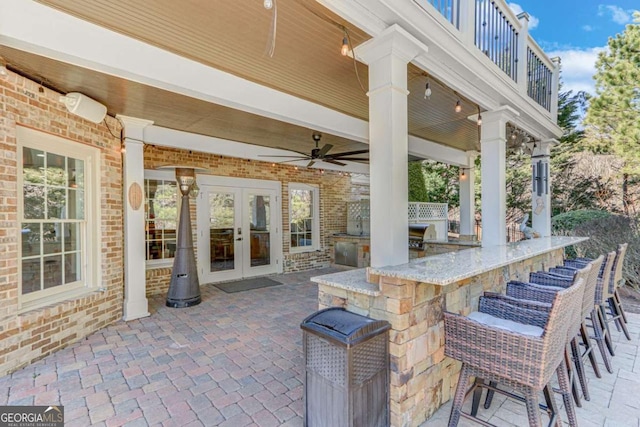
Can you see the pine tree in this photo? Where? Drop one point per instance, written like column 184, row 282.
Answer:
column 613, row 115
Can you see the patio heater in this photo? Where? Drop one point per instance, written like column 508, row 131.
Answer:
column 184, row 288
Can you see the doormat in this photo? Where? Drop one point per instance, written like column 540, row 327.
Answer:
column 246, row 284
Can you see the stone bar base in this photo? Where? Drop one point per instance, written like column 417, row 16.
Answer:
column 422, row 378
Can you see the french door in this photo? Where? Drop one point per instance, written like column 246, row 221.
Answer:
column 238, row 232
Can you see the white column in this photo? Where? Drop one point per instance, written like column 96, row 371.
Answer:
column 387, row 56
column 493, row 159
column 555, row 87
column 135, row 299
column 467, row 197
column 467, row 23
column 541, row 191
column 523, row 40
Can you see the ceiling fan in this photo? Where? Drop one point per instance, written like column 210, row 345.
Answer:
column 322, row 154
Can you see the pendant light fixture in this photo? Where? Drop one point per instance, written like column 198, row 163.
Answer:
column 427, row 91
column 345, row 46
column 458, row 107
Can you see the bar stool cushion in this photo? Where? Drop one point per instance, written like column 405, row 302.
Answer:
column 509, row 325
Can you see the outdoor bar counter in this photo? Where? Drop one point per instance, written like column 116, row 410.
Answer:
column 413, row 296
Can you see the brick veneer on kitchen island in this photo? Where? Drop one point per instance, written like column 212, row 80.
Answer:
column 412, row 298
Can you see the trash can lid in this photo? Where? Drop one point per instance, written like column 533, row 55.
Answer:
column 343, row 326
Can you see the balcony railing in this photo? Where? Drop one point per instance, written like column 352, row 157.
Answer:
column 497, row 37
column 503, row 37
column 449, row 9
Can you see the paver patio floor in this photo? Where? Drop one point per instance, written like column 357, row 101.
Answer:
column 236, row 360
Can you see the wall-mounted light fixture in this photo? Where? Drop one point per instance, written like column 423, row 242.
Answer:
column 540, row 172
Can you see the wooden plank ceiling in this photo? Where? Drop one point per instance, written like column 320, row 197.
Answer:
column 233, row 36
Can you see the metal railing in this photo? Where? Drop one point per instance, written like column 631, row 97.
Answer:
column 539, row 79
column 497, row 37
column 500, row 35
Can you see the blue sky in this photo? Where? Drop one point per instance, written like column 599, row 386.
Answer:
column 576, row 30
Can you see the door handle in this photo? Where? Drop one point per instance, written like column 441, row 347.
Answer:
column 238, row 239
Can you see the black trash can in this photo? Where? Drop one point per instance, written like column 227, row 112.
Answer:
column 346, row 379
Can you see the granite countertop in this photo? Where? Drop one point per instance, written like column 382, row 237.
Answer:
column 448, row 268
column 352, row 280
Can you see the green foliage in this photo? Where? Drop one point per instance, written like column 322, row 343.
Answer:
column 568, row 221
column 612, row 117
column 518, row 181
column 430, row 181
column 605, row 233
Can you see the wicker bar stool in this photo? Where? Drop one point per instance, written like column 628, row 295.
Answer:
column 524, row 294
column 507, row 347
column 616, row 312
column 543, row 286
column 601, row 332
column 615, row 304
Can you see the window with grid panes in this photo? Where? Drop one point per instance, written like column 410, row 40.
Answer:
column 304, row 224
column 161, row 215
column 58, row 213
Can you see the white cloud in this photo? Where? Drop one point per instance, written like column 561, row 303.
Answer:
column 517, row 9
column 578, row 67
column 618, row 15
column 587, row 28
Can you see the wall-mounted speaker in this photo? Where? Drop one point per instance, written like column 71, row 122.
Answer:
column 85, row 107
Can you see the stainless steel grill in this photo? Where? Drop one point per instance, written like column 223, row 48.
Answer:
column 419, row 233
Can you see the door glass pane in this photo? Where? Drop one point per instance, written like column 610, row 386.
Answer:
column 260, row 233
column 221, row 224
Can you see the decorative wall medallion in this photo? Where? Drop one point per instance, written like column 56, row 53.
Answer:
column 135, row 196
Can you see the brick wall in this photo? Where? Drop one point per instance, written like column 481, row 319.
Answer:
column 335, row 191
column 25, row 337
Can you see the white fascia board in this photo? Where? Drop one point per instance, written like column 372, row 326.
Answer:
column 164, row 137
column 60, row 36
column 460, row 66
column 431, row 150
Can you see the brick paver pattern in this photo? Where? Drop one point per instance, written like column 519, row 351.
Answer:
column 236, row 360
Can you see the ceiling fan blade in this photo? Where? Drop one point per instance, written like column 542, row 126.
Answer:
column 311, row 163
column 350, row 153
column 325, row 148
column 294, row 160
column 335, row 162
column 349, row 158
column 297, row 157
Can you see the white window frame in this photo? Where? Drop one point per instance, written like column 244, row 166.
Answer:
column 315, row 227
column 165, row 176
column 91, row 264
